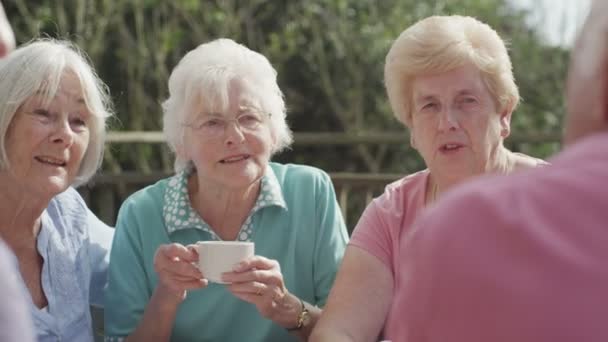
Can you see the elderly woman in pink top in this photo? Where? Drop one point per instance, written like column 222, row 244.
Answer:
column 449, row 81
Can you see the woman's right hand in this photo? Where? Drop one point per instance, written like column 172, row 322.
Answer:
column 177, row 272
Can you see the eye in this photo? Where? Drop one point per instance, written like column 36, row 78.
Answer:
column 468, row 100
column 249, row 120
column 211, row 123
column 78, row 123
column 428, row 106
column 41, row 113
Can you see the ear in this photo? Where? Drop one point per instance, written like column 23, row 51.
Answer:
column 180, row 151
column 412, row 140
column 505, row 120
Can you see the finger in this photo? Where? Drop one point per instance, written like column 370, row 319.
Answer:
column 268, row 277
column 176, row 289
column 177, row 268
column 191, row 284
column 253, row 288
column 256, row 261
column 192, row 248
column 179, row 251
column 250, row 298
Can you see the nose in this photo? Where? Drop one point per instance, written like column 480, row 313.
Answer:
column 233, row 133
column 62, row 133
column 448, row 120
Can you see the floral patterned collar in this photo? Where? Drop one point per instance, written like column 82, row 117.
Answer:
column 179, row 214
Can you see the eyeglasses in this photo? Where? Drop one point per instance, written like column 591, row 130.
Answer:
column 214, row 125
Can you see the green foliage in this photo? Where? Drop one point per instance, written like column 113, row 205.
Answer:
column 329, row 55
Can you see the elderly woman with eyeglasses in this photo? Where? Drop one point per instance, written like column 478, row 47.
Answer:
column 224, row 119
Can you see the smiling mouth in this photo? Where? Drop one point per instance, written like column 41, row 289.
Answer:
column 51, row 161
column 234, row 159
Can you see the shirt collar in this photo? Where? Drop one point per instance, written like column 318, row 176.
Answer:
column 178, row 213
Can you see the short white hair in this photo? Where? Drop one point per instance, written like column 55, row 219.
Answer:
column 37, row 68
column 204, row 74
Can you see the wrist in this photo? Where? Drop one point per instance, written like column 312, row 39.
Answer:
column 302, row 319
column 167, row 299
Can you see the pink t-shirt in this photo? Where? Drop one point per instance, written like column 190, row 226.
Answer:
column 388, row 216
column 519, row 258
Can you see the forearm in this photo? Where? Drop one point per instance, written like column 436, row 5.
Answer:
column 321, row 334
column 157, row 321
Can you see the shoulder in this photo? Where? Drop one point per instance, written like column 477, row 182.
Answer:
column 406, row 192
column 298, row 173
column 407, row 183
column 69, row 201
column 148, row 197
column 68, row 212
column 301, row 178
column 524, row 161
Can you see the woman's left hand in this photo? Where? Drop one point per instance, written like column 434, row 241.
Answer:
column 259, row 281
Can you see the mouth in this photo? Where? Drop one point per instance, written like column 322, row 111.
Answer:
column 450, row 147
column 235, row 159
column 51, row 161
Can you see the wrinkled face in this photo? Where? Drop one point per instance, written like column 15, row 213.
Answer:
column 46, row 143
column 230, row 149
column 455, row 125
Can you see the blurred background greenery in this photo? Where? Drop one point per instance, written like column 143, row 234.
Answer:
column 329, row 55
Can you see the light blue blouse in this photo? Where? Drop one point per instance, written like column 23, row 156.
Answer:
column 75, row 246
column 296, row 220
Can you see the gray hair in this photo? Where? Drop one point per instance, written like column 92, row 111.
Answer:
column 443, row 43
column 205, row 73
column 37, row 68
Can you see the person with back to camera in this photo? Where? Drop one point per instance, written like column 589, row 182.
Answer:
column 225, row 118
column 449, row 80
column 15, row 322
column 53, row 110
column 529, row 264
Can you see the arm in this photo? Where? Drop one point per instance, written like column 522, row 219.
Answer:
column 325, row 241
column 259, row 281
column 133, row 307
column 358, row 302
column 177, row 275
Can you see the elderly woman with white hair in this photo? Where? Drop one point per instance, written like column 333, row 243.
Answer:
column 225, row 118
column 53, row 110
column 449, row 80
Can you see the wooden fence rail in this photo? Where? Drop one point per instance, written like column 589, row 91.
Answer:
column 354, row 190
column 333, row 138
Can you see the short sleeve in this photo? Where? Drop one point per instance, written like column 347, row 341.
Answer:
column 127, row 293
column 373, row 236
column 331, row 240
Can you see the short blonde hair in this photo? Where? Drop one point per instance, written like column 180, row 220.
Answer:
column 37, row 68
column 442, row 43
column 205, row 74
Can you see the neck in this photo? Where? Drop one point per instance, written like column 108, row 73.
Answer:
column 500, row 162
column 19, row 216
column 223, row 208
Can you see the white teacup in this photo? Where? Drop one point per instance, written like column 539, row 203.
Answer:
column 217, row 257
